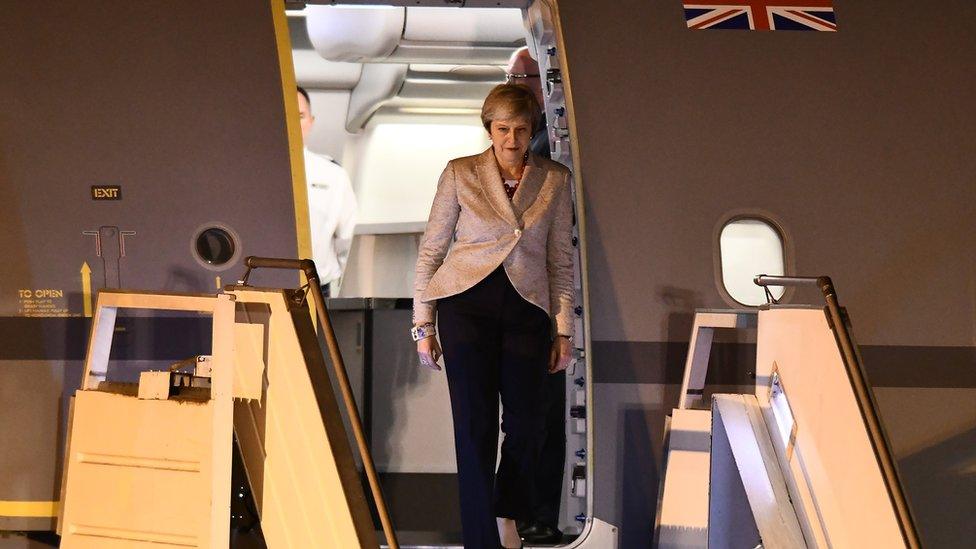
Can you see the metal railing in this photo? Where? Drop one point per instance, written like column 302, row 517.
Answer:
column 312, row 277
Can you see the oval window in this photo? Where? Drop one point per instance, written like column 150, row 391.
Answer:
column 750, row 247
column 214, row 246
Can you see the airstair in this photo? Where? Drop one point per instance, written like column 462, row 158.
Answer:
column 149, row 464
column 800, row 459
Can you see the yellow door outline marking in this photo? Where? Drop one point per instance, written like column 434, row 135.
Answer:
column 289, row 93
column 289, row 89
column 29, row 509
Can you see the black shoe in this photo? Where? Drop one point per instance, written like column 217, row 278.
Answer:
column 538, row 533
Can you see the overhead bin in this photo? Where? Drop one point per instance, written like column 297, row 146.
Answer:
column 401, row 86
column 388, row 34
column 465, row 90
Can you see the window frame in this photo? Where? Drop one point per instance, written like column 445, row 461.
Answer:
column 786, row 241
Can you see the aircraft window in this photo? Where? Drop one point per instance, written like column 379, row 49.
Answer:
column 749, row 247
column 214, row 246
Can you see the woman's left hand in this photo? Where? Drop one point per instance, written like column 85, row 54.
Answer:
column 561, row 354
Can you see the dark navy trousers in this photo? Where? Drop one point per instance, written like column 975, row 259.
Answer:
column 548, row 489
column 495, row 343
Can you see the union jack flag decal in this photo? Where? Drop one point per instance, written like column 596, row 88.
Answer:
column 807, row 15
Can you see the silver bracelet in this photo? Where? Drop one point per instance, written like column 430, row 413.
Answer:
column 423, row 331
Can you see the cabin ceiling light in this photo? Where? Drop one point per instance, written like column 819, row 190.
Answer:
column 438, row 110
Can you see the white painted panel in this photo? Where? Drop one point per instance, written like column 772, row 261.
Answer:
column 400, row 164
column 836, row 483
column 473, row 25
column 683, row 516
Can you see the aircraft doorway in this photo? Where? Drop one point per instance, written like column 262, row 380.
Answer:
column 396, row 92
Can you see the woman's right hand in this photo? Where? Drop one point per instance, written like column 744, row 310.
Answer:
column 430, row 352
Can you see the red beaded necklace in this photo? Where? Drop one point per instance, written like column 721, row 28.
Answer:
column 511, row 185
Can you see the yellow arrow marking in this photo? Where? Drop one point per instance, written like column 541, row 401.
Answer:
column 218, row 283
column 86, row 289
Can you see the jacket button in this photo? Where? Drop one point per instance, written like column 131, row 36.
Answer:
column 518, row 233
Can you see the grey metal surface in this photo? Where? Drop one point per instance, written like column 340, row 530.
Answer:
column 368, row 303
column 190, row 144
column 830, row 134
column 858, row 142
column 181, row 109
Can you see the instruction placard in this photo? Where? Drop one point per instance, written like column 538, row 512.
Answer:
column 42, row 302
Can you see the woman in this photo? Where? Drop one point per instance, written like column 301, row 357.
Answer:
column 499, row 297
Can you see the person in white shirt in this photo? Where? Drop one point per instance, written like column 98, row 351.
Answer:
column 331, row 206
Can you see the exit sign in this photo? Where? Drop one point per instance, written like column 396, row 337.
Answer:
column 106, row 192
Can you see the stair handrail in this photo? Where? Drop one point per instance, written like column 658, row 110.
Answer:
column 307, row 267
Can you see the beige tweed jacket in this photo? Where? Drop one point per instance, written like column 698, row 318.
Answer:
column 473, row 228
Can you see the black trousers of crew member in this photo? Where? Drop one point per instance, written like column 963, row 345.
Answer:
column 495, row 342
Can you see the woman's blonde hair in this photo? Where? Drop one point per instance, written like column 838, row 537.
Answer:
column 508, row 101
